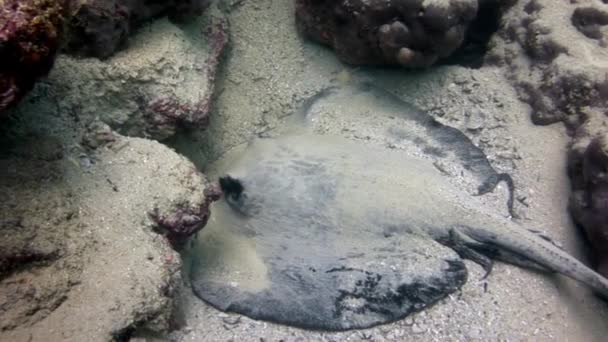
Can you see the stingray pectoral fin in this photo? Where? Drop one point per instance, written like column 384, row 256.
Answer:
column 468, row 248
column 491, row 183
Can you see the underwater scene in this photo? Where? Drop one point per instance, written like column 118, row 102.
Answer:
column 303, row 170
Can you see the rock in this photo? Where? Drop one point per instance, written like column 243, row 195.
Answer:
column 98, row 28
column 588, row 169
column 38, row 266
column 411, row 33
column 74, row 239
column 418, row 328
column 475, row 120
column 162, row 82
column 30, row 36
column 184, row 220
column 555, row 53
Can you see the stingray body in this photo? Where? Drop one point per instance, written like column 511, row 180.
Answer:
column 327, row 233
column 401, row 124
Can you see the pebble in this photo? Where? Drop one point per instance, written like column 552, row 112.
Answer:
column 418, row 328
column 475, row 120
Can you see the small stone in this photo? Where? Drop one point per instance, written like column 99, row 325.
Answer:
column 475, row 120
column 418, row 328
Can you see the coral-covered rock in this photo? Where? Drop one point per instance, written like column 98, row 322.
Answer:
column 411, row 33
column 555, row 53
column 162, row 82
column 185, row 220
column 30, row 33
column 99, row 27
column 76, row 234
column 588, row 169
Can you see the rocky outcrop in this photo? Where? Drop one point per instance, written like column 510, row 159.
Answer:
column 30, row 35
column 410, row 33
column 163, row 82
column 588, row 170
column 555, row 53
column 91, row 218
column 77, row 232
column 98, row 28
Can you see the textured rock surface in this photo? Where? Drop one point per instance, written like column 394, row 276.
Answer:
column 411, row 33
column 30, row 33
column 588, row 169
column 556, row 55
column 38, row 264
column 78, row 233
column 89, row 218
column 100, row 27
column 164, row 80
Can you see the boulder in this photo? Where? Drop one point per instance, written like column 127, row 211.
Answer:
column 411, row 33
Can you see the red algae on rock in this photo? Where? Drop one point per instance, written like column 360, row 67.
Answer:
column 30, row 34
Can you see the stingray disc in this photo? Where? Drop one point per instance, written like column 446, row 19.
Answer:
column 325, row 236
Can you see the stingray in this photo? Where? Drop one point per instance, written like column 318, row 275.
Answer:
column 323, row 232
column 405, row 126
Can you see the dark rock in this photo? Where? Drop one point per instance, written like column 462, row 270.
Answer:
column 411, row 33
column 98, row 28
column 30, row 33
column 588, row 169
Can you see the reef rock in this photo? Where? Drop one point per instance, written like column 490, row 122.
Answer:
column 30, row 33
column 411, row 33
column 588, row 170
column 555, row 53
column 80, row 254
column 162, row 82
column 100, row 27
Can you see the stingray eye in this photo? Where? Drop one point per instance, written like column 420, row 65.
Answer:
column 232, row 187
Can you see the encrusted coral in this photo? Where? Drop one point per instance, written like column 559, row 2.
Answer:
column 163, row 115
column 411, row 33
column 556, row 65
column 30, row 34
column 185, row 220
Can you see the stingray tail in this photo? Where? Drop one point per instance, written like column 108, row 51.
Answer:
column 521, row 247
